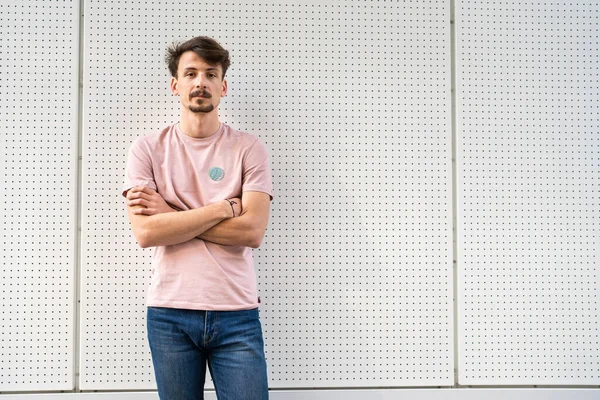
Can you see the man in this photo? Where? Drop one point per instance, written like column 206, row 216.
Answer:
column 199, row 192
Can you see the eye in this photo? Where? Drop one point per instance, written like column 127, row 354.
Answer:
column 189, row 74
column 213, row 75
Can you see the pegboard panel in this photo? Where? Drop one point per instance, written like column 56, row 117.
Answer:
column 529, row 185
column 39, row 49
column 352, row 98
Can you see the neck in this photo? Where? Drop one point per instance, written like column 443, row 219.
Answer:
column 199, row 125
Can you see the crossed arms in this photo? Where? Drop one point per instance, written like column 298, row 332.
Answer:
column 155, row 223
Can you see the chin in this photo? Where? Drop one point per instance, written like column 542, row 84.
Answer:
column 201, row 109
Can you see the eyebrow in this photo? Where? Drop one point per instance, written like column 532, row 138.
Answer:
column 196, row 69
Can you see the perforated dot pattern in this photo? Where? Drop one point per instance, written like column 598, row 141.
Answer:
column 529, row 204
column 38, row 164
column 353, row 101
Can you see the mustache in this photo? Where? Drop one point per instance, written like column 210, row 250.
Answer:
column 200, row 93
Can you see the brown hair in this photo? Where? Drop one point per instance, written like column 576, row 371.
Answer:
column 206, row 48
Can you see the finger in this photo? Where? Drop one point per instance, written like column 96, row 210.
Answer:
column 136, row 189
column 138, row 195
column 142, row 189
column 142, row 195
column 138, row 211
column 138, row 202
column 133, row 192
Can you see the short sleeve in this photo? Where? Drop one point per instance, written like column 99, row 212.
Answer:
column 257, row 170
column 138, row 171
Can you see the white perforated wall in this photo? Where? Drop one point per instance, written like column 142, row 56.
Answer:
column 529, row 186
column 38, row 175
column 352, row 98
column 353, row 101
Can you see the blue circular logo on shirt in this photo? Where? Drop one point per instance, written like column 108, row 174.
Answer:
column 216, row 173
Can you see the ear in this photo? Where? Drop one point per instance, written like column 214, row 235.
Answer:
column 223, row 88
column 174, row 89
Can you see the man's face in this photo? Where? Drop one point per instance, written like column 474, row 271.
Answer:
column 199, row 84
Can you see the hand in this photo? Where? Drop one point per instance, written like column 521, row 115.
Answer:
column 152, row 203
column 236, row 204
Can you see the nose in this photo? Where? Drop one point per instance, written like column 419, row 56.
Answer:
column 200, row 81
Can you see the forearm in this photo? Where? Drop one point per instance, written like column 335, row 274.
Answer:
column 239, row 231
column 178, row 227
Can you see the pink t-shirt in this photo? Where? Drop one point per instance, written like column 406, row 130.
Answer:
column 191, row 173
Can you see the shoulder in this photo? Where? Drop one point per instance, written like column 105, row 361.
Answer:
column 233, row 133
column 247, row 141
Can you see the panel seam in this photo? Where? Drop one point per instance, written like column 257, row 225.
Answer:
column 453, row 118
column 79, row 184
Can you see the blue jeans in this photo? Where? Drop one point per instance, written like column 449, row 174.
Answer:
column 182, row 342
